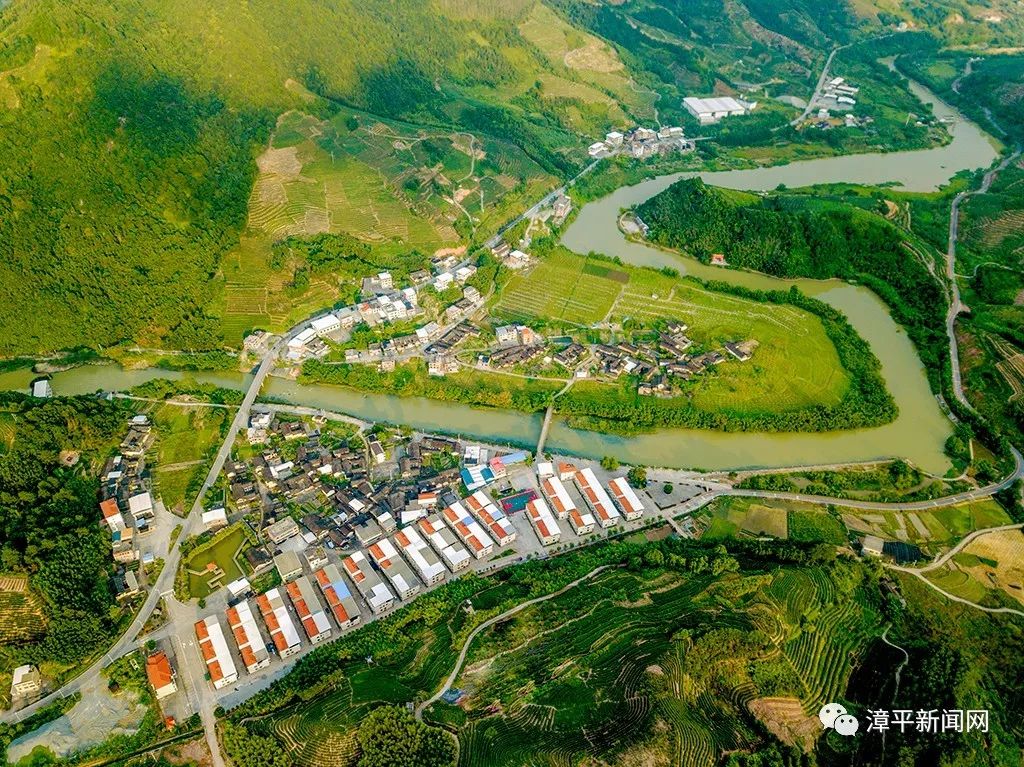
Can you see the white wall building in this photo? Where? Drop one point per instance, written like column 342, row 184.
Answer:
column 214, row 649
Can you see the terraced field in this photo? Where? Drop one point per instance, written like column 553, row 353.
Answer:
column 21, row 613
column 560, row 288
column 655, row 665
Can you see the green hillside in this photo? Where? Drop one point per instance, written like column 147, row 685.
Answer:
column 687, row 653
column 130, row 131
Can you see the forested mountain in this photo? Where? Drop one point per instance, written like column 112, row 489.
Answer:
column 129, row 128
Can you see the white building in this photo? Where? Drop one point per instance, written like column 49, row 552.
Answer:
column 311, row 613
column 614, row 138
column 373, row 589
column 491, row 517
column 112, row 515
column 214, row 519
column 445, row 543
column 582, row 522
column 385, row 556
column 626, row 499
column 141, row 506
column 250, row 642
column 468, row 530
column 605, row 511
column 42, row 389
column 558, row 496
column 279, row 622
column 339, row 596
column 325, row 325
column 598, row 150
column 711, row 110
column 420, row 556
column 214, row 648
column 543, row 522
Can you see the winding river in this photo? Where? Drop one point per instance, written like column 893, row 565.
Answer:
column 918, row 434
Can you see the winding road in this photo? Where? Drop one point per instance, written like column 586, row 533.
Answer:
column 487, row 624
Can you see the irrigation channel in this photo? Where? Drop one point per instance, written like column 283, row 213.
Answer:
column 918, row 433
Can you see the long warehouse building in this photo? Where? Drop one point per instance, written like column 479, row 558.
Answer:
column 395, row 569
column 374, row 590
column 420, row 556
column 445, row 543
column 250, row 642
column 339, row 596
column 605, row 511
column 307, row 606
column 280, row 624
column 214, row 648
column 468, row 530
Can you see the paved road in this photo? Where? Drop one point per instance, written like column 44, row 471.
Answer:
column 955, row 305
column 165, row 582
column 820, row 86
column 487, row 624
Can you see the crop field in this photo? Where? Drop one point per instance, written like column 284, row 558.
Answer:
column 561, row 288
column 930, row 530
column 21, row 613
column 795, row 363
column 994, row 561
column 644, row 667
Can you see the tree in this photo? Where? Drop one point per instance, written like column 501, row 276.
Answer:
column 637, row 476
column 609, row 463
column 389, row 736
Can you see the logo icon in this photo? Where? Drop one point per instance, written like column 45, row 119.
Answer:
column 834, row 716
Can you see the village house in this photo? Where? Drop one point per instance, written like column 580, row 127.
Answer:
column 288, row 565
column 369, row 584
column 385, row 556
column 444, row 542
column 626, row 499
column 309, row 609
column 214, row 648
column 160, row 675
column 281, row 531
column 249, row 640
column 543, row 522
column 26, row 686
column 339, row 597
column 468, row 530
column 597, row 498
column 279, row 622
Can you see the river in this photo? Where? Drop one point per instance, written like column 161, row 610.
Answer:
column 918, row 434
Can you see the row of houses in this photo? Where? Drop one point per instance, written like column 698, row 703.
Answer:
column 280, row 624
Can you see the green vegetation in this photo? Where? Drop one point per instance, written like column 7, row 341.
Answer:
column 50, row 530
column 891, row 482
column 689, row 648
column 792, row 235
column 411, row 380
column 390, row 736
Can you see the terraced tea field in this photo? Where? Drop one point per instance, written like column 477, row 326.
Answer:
column 21, row 613
column 649, row 665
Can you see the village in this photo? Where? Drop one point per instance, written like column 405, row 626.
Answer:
column 320, row 524
column 641, row 143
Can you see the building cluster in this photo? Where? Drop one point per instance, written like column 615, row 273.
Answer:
column 126, row 505
column 641, row 143
column 509, row 257
column 711, row 110
column 355, row 529
column 659, row 362
column 383, row 303
column 839, row 92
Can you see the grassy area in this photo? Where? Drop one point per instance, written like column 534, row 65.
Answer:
column 185, row 438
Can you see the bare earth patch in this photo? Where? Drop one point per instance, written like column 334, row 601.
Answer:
column 1006, row 548
column 786, row 720
column 595, row 56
